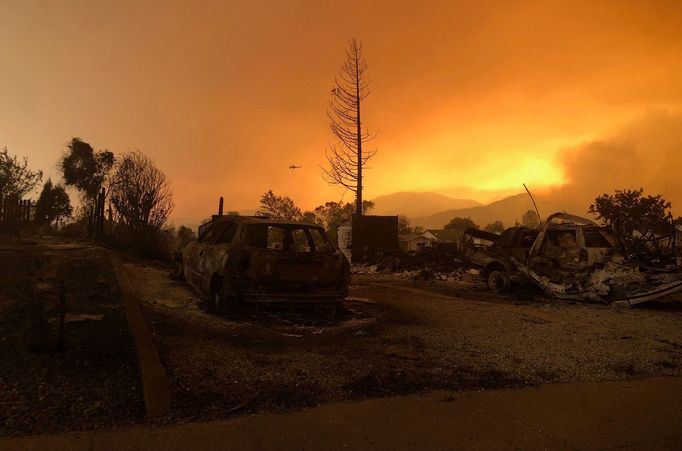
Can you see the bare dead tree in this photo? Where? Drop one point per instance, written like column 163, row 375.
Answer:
column 140, row 193
column 345, row 157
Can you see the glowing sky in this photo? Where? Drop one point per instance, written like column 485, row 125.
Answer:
column 469, row 100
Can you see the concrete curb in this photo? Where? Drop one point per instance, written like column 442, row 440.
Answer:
column 155, row 385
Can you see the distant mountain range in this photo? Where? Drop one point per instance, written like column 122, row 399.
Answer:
column 433, row 211
column 508, row 210
column 413, row 204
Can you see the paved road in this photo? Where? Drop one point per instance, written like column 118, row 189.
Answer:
column 638, row 414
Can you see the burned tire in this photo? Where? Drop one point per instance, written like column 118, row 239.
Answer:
column 217, row 301
column 498, row 281
column 214, row 300
column 325, row 310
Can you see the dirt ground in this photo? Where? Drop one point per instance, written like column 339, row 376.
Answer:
column 396, row 337
column 90, row 380
column 393, row 336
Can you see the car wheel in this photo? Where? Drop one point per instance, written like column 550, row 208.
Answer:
column 212, row 302
column 498, row 281
column 220, row 303
column 325, row 311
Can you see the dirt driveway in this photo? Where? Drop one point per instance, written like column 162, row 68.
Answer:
column 402, row 338
column 88, row 378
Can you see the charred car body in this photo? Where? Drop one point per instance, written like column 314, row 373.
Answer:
column 569, row 257
column 255, row 259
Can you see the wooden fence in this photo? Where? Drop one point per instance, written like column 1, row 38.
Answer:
column 15, row 214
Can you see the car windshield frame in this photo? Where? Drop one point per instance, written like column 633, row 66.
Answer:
column 289, row 228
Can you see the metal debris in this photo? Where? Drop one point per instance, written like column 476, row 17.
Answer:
column 569, row 257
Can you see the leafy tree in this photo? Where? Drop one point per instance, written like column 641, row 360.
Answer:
column 16, row 179
column 530, row 219
column 333, row 214
column 233, row 213
column 85, row 169
column 404, row 226
column 43, row 211
column 346, row 157
column 495, row 227
column 459, row 223
column 62, row 208
column 631, row 215
column 311, row 217
column 278, row 207
column 184, row 236
column 52, row 205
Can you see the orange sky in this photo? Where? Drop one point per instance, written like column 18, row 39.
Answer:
column 469, row 100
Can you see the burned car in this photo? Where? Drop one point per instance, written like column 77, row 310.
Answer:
column 256, row 259
column 569, row 257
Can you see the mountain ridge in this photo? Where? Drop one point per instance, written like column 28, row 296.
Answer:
column 508, row 210
column 416, row 204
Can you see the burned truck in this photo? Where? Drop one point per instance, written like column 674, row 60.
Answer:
column 238, row 259
column 569, row 257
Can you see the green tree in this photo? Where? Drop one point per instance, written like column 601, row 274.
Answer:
column 495, row 227
column 404, row 226
column 184, row 236
column 52, row 205
column 311, row 217
column 85, row 169
column 631, row 215
column 459, row 223
column 16, row 179
column 332, row 214
column 62, row 208
column 278, row 207
column 43, row 211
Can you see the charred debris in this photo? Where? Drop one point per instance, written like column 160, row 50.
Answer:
column 568, row 257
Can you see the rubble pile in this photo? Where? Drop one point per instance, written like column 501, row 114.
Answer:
column 440, row 262
column 570, row 257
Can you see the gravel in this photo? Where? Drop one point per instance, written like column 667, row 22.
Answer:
column 408, row 342
column 91, row 382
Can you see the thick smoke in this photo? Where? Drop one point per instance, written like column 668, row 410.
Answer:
column 647, row 153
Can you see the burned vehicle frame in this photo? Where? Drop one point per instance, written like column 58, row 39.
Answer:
column 238, row 259
column 569, row 257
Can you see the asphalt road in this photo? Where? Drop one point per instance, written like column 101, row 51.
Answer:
column 641, row 414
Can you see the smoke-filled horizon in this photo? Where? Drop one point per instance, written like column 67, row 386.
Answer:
column 645, row 153
column 572, row 98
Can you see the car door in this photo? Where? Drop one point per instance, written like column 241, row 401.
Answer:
column 214, row 252
column 194, row 260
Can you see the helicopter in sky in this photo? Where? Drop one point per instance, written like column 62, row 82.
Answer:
column 293, row 166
